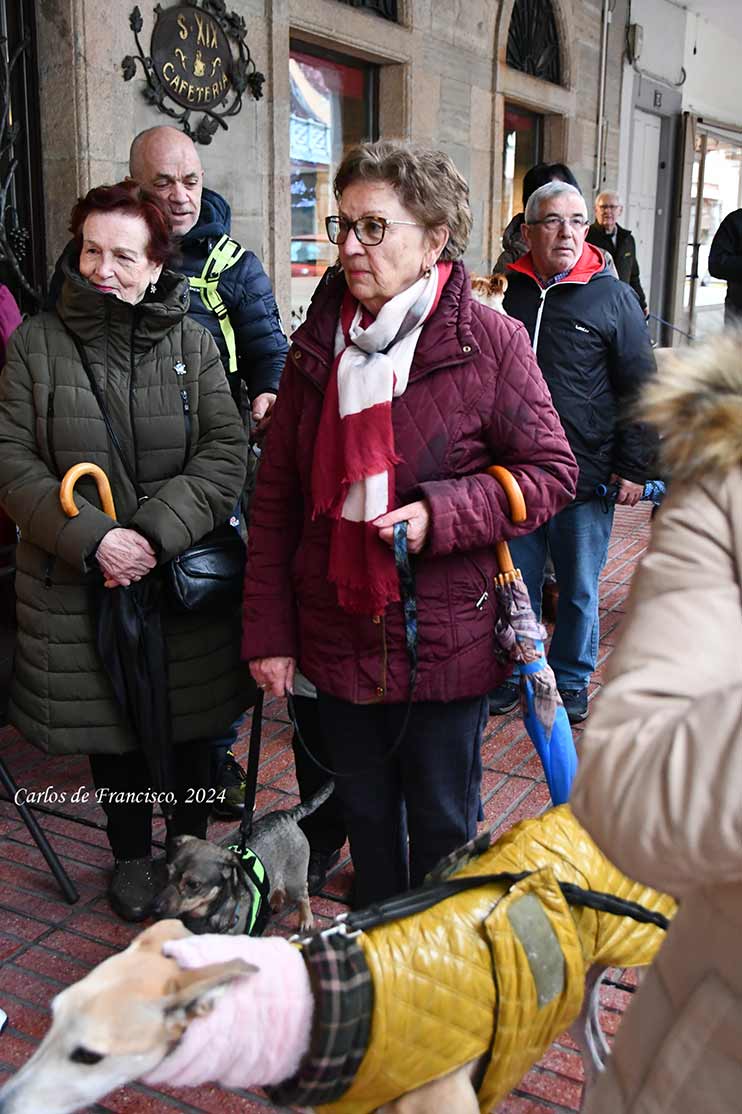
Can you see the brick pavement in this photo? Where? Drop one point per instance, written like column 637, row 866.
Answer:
column 46, row 944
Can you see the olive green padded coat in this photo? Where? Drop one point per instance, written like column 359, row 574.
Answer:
column 142, row 356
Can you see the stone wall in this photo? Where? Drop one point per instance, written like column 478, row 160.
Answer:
column 443, row 80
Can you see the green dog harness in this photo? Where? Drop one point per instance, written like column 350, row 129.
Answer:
column 259, row 912
column 225, row 253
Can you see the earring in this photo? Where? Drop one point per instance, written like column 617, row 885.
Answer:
column 152, row 288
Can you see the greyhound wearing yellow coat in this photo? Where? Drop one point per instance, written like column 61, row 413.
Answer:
column 449, row 1008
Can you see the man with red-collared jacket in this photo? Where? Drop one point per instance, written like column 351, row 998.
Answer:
column 591, row 342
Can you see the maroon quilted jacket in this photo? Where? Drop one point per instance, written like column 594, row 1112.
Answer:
column 475, row 397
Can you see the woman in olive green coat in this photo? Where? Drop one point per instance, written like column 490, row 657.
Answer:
column 168, row 400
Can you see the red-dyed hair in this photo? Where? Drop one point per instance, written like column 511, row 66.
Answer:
column 136, row 201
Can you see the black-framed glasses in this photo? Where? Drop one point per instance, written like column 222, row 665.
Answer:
column 575, row 223
column 369, row 231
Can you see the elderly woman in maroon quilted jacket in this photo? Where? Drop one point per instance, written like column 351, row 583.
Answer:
column 398, row 392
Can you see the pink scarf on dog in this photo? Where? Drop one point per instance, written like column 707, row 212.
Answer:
column 258, row 1030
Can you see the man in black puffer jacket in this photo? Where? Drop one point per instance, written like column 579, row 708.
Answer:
column 233, row 297
column 591, row 342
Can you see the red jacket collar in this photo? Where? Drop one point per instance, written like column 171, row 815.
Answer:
column 590, row 263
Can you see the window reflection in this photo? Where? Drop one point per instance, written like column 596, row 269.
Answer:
column 333, row 106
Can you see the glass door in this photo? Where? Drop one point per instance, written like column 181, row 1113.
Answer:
column 333, row 106
column 716, row 186
column 523, row 149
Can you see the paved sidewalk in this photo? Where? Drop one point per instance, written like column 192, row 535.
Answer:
column 46, row 944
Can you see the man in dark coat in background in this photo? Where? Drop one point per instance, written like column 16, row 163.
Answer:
column 725, row 262
column 232, row 297
column 592, row 345
column 607, row 234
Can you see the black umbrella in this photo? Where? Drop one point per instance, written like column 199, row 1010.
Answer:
column 131, row 645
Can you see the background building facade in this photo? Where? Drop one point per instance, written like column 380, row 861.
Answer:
column 624, row 92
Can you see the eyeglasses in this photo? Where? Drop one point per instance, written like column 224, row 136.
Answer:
column 609, row 206
column 368, row 230
column 553, row 223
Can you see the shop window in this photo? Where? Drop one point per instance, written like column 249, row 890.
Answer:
column 533, row 40
column 333, row 106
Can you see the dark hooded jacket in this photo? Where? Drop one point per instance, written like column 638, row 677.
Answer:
column 513, row 245
column 475, row 397
column 247, row 293
column 592, row 344
column 725, row 262
column 143, row 357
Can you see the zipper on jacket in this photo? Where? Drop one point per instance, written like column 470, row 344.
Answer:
column 188, row 423
column 544, row 291
column 485, row 584
column 537, row 330
column 140, row 498
column 50, row 429
column 381, row 690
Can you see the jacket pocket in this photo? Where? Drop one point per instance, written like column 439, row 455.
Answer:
column 698, row 1066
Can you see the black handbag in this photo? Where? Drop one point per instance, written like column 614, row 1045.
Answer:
column 209, row 574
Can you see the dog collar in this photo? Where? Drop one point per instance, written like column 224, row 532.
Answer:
column 259, row 890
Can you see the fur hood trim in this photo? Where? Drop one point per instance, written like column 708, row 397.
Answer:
column 695, row 402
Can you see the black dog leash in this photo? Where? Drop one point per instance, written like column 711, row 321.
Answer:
column 409, row 608
column 251, row 777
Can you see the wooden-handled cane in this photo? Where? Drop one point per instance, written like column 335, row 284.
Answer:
column 67, row 488
column 508, row 572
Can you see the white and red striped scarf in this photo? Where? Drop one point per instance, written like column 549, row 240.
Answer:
column 353, row 467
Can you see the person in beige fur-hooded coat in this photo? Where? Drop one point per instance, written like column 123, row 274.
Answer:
column 660, row 781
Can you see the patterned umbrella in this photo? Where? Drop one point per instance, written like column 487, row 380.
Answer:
column 519, row 638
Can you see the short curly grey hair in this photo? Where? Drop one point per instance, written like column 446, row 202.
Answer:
column 539, row 197
column 426, row 181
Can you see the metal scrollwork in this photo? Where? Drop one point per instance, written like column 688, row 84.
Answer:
column 14, row 239
column 387, row 9
column 193, row 63
column 533, row 40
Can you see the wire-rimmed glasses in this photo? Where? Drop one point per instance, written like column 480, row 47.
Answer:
column 553, row 222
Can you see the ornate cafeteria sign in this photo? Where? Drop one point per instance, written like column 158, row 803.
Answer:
column 192, row 62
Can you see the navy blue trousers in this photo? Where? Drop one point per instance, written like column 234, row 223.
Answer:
column 427, row 792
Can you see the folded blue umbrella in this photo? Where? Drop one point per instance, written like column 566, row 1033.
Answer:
column 519, row 638
column 555, row 746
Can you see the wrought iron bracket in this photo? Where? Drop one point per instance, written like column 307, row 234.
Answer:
column 242, row 76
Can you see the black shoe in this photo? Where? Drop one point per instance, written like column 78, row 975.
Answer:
column 230, row 789
column 504, row 698
column 575, row 704
column 320, row 862
column 134, row 885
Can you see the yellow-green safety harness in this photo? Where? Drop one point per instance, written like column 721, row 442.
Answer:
column 225, row 253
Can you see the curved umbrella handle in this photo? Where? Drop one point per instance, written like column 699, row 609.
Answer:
column 67, row 487
column 517, row 505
